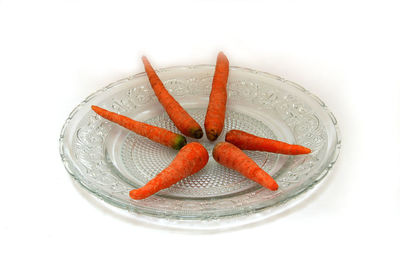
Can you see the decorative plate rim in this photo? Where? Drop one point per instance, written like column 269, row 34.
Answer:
column 209, row 223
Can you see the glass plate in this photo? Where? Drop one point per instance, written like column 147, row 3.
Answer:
column 109, row 160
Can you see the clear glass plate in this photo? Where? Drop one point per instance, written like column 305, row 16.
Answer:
column 109, row 160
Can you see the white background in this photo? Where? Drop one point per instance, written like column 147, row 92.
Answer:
column 55, row 53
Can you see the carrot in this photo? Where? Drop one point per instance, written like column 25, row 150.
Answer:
column 189, row 160
column 232, row 157
column 183, row 121
column 248, row 141
column 215, row 117
column 154, row 133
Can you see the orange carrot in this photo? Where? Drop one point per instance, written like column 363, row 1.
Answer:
column 154, row 133
column 215, row 117
column 183, row 121
column 248, row 141
column 232, row 157
column 189, row 160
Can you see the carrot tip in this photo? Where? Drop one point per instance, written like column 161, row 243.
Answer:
column 98, row 110
column 138, row 194
column 179, row 142
column 302, row 150
column 132, row 194
column 274, row 187
column 198, row 134
column 212, row 135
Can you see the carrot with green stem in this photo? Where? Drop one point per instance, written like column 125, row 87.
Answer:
column 189, row 160
column 232, row 157
column 215, row 117
column 248, row 141
column 154, row 133
column 183, row 121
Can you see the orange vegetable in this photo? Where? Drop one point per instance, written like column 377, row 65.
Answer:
column 189, row 160
column 248, row 141
column 232, row 157
column 215, row 117
column 183, row 121
column 154, row 133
